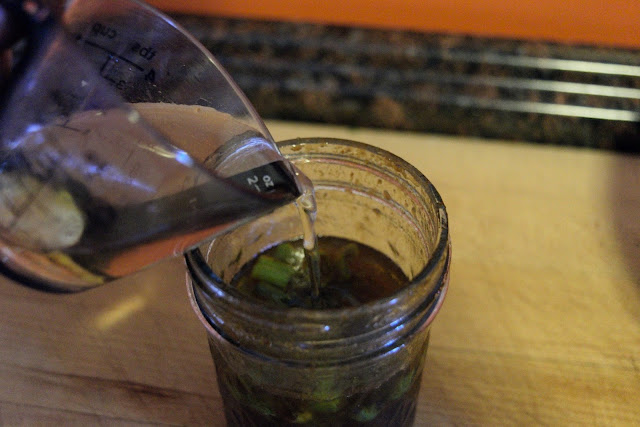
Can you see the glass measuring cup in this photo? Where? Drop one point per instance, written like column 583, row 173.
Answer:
column 122, row 142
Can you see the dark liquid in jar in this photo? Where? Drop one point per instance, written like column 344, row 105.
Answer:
column 351, row 274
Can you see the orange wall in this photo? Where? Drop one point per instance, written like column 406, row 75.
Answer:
column 604, row 22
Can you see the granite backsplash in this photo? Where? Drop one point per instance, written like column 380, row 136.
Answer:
column 550, row 93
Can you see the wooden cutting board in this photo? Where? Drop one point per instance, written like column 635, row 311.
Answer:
column 541, row 324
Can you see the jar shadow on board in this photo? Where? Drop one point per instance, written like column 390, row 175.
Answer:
column 624, row 201
column 340, row 367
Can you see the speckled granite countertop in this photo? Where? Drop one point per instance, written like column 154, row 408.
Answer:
column 541, row 92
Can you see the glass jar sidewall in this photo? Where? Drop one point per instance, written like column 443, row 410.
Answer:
column 316, row 381
column 383, row 364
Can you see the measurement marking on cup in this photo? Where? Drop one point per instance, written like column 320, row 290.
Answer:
column 112, row 53
column 119, row 84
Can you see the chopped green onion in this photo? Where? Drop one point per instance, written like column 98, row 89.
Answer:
column 326, row 406
column 367, row 414
column 303, row 418
column 263, row 408
column 348, row 250
column 286, row 252
column 273, row 271
column 403, row 385
column 270, row 292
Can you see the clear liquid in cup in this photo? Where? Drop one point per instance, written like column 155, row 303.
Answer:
column 125, row 200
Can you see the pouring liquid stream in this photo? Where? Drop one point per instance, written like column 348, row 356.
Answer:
column 308, row 209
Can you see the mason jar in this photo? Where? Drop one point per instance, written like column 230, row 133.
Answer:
column 336, row 367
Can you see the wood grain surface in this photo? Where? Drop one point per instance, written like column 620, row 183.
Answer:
column 541, row 324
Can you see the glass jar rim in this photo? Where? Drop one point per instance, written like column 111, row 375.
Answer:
column 200, row 270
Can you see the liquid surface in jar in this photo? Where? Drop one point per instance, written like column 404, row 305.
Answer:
column 351, row 274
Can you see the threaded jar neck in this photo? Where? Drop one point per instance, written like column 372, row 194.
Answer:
column 329, row 336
